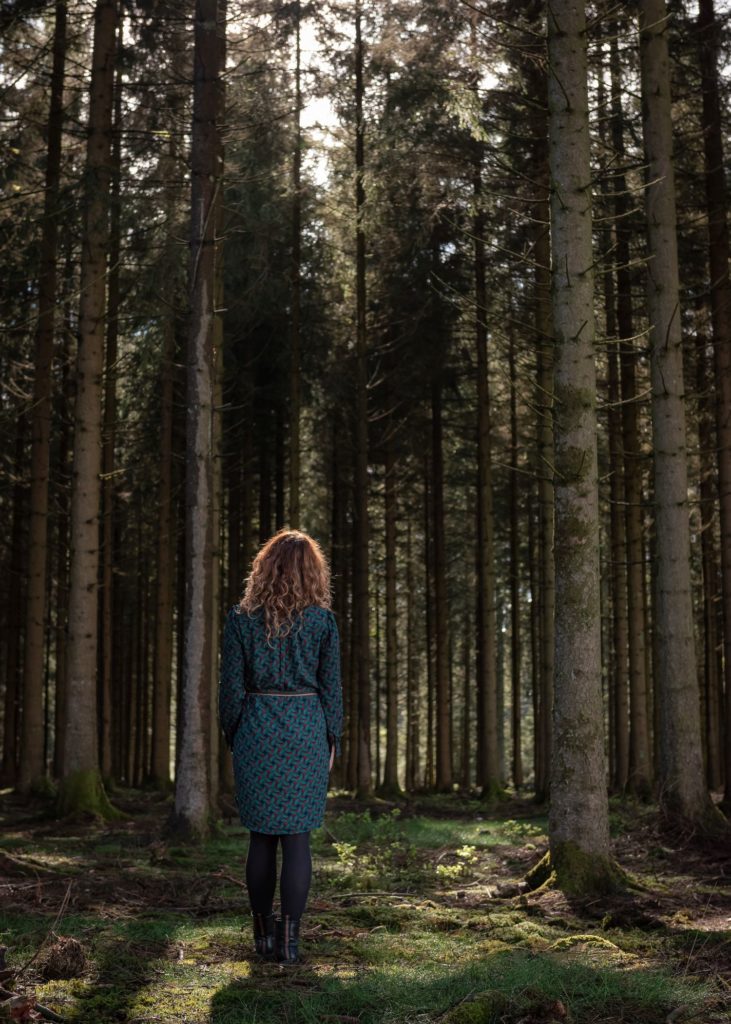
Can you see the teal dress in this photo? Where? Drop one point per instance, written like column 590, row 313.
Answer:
column 280, row 707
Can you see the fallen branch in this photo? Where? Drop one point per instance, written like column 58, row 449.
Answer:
column 16, row 1004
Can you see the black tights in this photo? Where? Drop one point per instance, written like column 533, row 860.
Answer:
column 261, row 872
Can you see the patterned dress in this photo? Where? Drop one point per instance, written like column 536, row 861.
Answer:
column 280, row 707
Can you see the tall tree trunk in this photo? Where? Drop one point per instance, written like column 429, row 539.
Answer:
column 294, row 369
column 535, row 629
column 217, row 751
column 683, row 790
column 579, row 814
column 265, row 477
column 441, row 605
column 488, row 758
column 412, row 703
column 360, row 509
column 62, row 526
column 190, row 816
column 718, row 253
column 390, row 780
column 536, row 78
column 109, row 435
column 81, row 786
column 429, row 632
column 377, row 680
column 466, row 738
column 712, row 689
column 639, row 772
column 279, row 457
column 14, row 607
column 515, row 680
column 32, row 763
column 162, row 675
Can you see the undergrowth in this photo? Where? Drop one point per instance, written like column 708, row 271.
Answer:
column 407, row 922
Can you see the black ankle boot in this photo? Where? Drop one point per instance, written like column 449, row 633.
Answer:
column 288, row 940
column 264, row 934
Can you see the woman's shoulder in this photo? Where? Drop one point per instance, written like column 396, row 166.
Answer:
column 240, row 615
column 319, row 612
column 316, row 618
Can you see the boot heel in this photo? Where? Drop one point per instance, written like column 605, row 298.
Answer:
column 264, row 932
column 287, row 931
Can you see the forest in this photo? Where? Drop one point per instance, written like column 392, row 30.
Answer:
column 444, row 284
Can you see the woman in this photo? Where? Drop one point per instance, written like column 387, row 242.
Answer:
column 280, row 707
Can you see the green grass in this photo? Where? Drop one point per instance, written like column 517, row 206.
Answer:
column 388, row 937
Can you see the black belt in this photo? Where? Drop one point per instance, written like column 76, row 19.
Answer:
column 279, row 693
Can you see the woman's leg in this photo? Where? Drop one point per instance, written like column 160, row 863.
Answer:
column 294, row 882
column 261, row 871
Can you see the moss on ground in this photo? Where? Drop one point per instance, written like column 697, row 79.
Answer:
column 387, row 937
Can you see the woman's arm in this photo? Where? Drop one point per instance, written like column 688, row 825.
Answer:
column 231, row 679
column 328, row 677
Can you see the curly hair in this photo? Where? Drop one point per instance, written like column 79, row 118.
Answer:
column 288, row 573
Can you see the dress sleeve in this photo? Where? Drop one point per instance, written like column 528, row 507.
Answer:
column 231, row 679
column 328, row 677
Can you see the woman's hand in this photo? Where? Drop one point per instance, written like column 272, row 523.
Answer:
column 332, row 757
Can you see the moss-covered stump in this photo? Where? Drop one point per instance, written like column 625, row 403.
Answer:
column 577, row 873
column 83, row 792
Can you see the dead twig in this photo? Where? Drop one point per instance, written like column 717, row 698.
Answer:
column 64, row 903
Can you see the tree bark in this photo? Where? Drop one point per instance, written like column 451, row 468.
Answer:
column 81, row 787
column 441, row 607
column 32, row 763
column 579, row 818
column 718, row 254
column 294, row 370
column 360, row 508
column 515, row 680
column 640, row 763
column 109, row 425
column 683, row 792
column 390, row 780
column 712, row 689
column 190, row 816
column 412, row 703
column 488, row 756
column 14, row 607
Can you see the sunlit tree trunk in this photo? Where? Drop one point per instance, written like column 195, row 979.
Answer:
column 191, row 810
column 682, row 784
column 579, row 818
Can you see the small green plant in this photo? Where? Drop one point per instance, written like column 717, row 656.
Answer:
column 466, row 857
column 346, row 854
column 520, row 829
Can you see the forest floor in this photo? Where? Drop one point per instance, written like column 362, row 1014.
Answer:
column 416, row 914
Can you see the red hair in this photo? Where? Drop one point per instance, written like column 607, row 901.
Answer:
column 288, row 573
